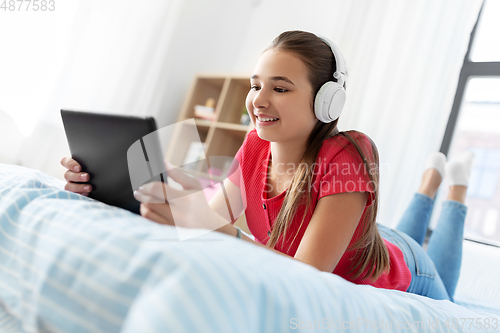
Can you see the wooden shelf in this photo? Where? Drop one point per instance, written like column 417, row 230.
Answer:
column 233, row 104
column 221, row 137
column 203, row 89
column 202, row 122
column 224, row 135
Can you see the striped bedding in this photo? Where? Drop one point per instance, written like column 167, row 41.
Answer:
column 71, row 264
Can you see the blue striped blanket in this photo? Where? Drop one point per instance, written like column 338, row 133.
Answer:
column 71, row 264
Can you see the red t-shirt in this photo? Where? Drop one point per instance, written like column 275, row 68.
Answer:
column 339, row 169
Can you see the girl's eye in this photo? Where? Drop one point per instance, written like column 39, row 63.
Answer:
column 279, row 90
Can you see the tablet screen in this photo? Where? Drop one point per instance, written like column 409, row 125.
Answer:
column 100, row 142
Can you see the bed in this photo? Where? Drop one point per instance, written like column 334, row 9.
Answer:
column 71, row 264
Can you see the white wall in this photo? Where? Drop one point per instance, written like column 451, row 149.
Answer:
column 207, row 38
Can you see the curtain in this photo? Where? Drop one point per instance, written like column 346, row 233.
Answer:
column 91, row 55
column 114, row 56
column 404, row 59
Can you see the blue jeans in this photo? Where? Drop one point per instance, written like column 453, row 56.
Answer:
column 435, row 272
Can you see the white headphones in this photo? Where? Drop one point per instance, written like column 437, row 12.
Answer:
column 330, row 98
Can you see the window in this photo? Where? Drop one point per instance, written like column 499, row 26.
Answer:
column 474, row 125
column 486, row 42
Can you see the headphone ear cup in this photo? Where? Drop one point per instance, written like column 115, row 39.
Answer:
column 329, row 102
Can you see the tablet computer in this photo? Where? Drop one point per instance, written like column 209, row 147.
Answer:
column 120, row 153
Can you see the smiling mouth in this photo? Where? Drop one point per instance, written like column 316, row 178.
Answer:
column 266, row 119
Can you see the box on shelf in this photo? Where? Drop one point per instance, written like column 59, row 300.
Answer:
column 204, row 112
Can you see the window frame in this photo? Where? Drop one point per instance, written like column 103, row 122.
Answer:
column 469, row 70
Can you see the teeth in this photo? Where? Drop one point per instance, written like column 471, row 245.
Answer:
column 268, row 119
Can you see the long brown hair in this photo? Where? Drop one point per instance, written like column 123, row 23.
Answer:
column 372, row 255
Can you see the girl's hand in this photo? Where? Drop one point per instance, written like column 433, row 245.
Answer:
column 74, row 177
column 187, row 208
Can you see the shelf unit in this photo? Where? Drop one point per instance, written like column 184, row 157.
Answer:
column 224, row 135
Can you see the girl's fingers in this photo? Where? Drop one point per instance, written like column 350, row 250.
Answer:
column 71, row 164
column 188, row 182
column 78, row 177
column 163, row 210
column 147, row 197
column 150, row 213
column 78, row 188
column 158, row 190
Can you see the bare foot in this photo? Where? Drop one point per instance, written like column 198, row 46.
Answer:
column 457, row 193
column 431, row 180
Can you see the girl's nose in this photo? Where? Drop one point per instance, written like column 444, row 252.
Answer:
column 260, row 99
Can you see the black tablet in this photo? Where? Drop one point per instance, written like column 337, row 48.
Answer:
column 120, row 153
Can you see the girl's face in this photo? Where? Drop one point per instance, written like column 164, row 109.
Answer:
column 282, row 92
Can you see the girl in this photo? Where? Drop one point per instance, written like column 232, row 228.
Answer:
column 312, row 191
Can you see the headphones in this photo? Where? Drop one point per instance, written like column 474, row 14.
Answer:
column 330, row 98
